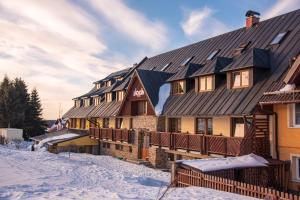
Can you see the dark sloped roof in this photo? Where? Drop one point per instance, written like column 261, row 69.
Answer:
column 185, row 72
column 281, row 97
column 106, row 109
column 223, row 101
column 115, row 74
column 254, row 57
column 213, row 67
column 78, row 112
column 152, row 80
column 123, row 85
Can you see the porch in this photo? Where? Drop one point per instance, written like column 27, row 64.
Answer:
column 110, row 134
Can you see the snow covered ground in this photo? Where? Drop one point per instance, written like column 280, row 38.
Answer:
column 41, row 175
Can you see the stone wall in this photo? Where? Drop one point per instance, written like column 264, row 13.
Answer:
column 120, row 150
column 158, row 157
column 144, row 122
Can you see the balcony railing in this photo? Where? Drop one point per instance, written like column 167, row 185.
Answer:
column 204, row 144
column 120, row 135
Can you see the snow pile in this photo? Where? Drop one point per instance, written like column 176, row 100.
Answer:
column 213, row 164
column 164, row 93
column 287, row 88
column 36, row 175
column 60, row 137
column 15, row 144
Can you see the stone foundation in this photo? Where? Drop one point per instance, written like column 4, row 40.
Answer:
column 158, row 157
column 120, row 150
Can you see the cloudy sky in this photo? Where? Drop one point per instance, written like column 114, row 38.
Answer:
column 62, row 46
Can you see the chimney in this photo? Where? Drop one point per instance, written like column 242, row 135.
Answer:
column 252, row 18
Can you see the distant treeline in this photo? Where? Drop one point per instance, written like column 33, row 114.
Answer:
column 19, row 108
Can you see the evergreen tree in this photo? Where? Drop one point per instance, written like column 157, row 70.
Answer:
column 7, row 96
column 35, row 124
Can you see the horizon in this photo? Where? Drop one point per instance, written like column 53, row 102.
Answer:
column 63, row 54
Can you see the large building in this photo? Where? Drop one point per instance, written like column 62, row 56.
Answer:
column 216, row 97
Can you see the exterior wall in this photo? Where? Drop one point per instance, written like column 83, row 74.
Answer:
column 87, row 124
column 79, row 142
column 188, row 124
column 222, row 125
column 126, row 123
column 144, row 122
column 288, row 139
column 78, row 123
column 100, row 122
column 127, row 152
column 112, row 122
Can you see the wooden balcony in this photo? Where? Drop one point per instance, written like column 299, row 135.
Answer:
column 117, row 135
column 204, row 144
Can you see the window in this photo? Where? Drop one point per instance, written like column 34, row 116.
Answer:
column 119, row 122
column 77, row 103
column 241, row 48
column 120, row 95
column 205, row 83
column 175, row 125
column 186, row 61
column 108, row 83
column 279, row 38
column 213, row 54
column 166, row 66
column 295, row 167
column 96, row 101
column 240, row 79
column 108, row 97
column 177, row 87
column 204, row 126
column 105, row 122
column 294, row 115
column 119, row 78
column 87, row 102
column 238, row 128
column 98, row 86
column 139, row 107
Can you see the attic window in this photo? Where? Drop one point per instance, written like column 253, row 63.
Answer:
column 152, row 68
column 241, row 48
column 166, row 66
column 213, row 54
column 186, row 61
column 278, row 39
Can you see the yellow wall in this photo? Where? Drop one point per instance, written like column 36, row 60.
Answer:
column 77, row 123
column 79, row 142
column 188, row 124
column 222, row 125
column 87, row 124
column 126, row 123
column 288, row 138
column 112, row 122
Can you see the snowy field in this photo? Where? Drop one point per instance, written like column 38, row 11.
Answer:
column 41, row 175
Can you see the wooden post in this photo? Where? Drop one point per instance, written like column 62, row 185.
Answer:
column 174, row 172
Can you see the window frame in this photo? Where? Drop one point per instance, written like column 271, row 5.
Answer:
column 233, row 127
column 177, row 123
column 104, row 122
column 280, row 40
column 119, row 122
column 292, row 116
column 86, row 102
column 240, row 72
column 175, row 89
column 206, row 81
column 119, row 94
column 108, row 97
column 206, row 129
column 295, row 165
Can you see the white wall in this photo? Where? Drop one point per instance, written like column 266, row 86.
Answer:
column 11, row 133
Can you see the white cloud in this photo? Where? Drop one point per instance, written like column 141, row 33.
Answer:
column 133, row 24
column 202, row 24
column 281, row 7
column 51, row 45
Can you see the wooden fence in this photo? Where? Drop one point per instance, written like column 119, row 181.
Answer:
column 120, row 135
column 184, row 177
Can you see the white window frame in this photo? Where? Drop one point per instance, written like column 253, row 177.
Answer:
column 295, row 167
column 291, row 116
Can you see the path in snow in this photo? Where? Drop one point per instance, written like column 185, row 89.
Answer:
column 41, row 175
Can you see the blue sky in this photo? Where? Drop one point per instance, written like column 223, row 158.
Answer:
column 62, row 47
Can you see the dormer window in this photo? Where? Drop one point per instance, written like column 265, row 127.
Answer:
column 98, row 86
column 166, row 66
column 240, row 79
column 108, row 97
column 279, row 38
column 186, row 61
column 77, row 103
column 206, row 83
column 119, row 78
column 108, row 83
column 86, row 102
column 96, row 101
column 120, row 95
column 178, row 87
column 213, row 54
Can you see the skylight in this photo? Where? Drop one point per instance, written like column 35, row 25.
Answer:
column 186, row 61
column 152, row 68
column 166, row 66
column 213, row 54
column 241, row 48
column 278, row 39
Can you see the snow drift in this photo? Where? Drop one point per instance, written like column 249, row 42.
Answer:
column 164, row 93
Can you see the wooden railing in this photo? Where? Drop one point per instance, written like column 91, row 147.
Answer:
column 184, row 176
column 205, row 144
column 120, row 135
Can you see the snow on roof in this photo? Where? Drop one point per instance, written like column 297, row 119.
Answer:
column 59, row 137
column 164, row 92
column 214, row 164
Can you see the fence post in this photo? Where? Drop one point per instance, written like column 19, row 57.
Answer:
column 174, row 173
